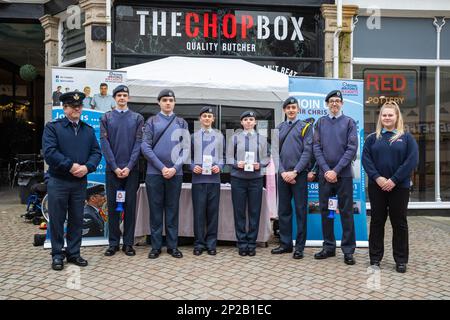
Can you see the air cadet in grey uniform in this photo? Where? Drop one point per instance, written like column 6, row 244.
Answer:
column 71, row 150
column 295, row 149
column 335, row 144
column 247, row 181
column 121, row 138
column 164, row 133
column 207, row 161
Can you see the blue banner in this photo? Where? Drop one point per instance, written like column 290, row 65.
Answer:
column 88, row 82
column 311, row 93
column 92, row 118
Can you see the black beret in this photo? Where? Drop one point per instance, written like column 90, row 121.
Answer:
column 120, row 88
column 246, row 114
column 206, row 110
column 334, row 93
column 74, row 98
column 290, row 100
column 166, row 93
column 97, row 189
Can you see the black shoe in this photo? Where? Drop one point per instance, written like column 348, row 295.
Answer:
column 111, row 251
column 297, row 254
column 129, row 251
column 348, row 259
column 198, row 251
column 243, row 252
column 175, row 253
column 251, row 252
column 57, row 264
column 154, row 253
column 79, row 261
column 212, row 252
column 280, row 250
column 400, row 267
column 375, row 263
column 324, row 254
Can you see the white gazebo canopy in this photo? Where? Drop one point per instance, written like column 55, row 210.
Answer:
column 208, row 80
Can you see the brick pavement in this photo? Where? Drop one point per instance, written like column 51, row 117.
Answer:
column 25, row 271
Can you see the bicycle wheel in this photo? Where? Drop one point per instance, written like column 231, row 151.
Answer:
column 44, row 207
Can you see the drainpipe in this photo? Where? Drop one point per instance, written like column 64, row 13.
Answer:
column 437, row 102
column 336, row 39
column 354, row 22
column 108, row 34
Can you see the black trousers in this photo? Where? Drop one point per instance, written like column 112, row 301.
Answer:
column 130, row 184
column 299, row 192
column 246, row 194
column 205, row 201
column 394, row 204
column 343, row 188
column 66, row 198
column 164, row 199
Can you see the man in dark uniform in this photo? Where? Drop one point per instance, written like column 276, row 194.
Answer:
column 71, row 150
column 295, row 156
column 335, row 144
column 93, row 223
column 120, row 139
column 207, row 149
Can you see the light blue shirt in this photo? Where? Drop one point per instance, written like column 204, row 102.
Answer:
column 165, row 115
column 336, row 116
column 87, row 102
column 103, row 103
column 384, row 130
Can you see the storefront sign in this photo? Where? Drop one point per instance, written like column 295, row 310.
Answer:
column 385, row 85
column 195, row 31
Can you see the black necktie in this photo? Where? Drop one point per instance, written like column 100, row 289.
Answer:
column 334, row 118
column 290, row 122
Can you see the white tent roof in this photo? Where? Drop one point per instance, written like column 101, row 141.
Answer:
column 208, row 80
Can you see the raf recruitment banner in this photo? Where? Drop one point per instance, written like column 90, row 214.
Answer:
column 94, row 106
column 88, row 82
column 311, row 93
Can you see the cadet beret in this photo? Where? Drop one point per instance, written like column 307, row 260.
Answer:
column 334, row 93
column 206, row 110
column 290, row 100
column 97, row 189
column 120, row 88
column 73, row 98
column 166, row 93
column 246, row 114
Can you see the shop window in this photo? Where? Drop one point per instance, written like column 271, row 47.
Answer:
column 416, row 99
column 444, row 142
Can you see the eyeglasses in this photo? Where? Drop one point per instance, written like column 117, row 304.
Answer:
column 334, row 101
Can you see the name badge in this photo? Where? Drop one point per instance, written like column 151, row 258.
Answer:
column 120, row 196
column 207, row 165
column 249, row 161
column 332, row 204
